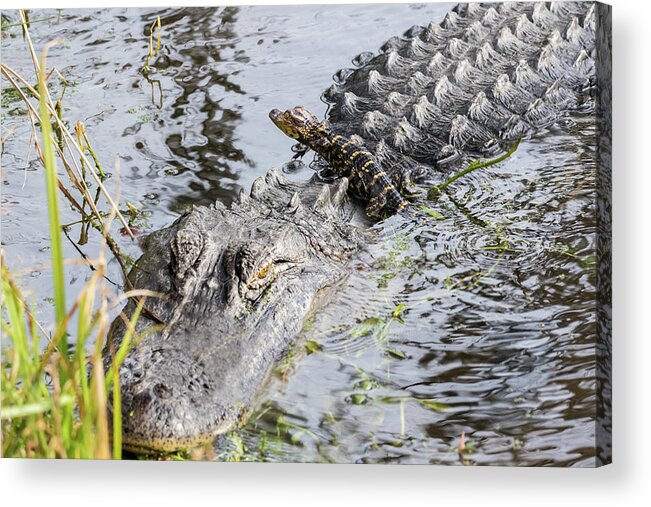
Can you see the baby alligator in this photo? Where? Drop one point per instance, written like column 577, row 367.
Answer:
column 346, row 157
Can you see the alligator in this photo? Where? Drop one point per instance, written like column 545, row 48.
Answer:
column 241, row 281
column 347, row 157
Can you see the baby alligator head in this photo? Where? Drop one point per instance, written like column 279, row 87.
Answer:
column 239, row 284
column 300, row 124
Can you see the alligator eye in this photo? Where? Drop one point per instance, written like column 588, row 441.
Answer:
column 263, row 272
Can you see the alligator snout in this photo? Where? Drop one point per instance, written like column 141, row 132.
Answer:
column 275, row 114
column 168, row 401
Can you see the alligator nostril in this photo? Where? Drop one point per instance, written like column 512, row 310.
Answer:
column 162, row 391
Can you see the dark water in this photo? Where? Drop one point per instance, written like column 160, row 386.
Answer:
column 480, row 324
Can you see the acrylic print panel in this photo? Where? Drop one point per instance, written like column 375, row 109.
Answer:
column 410, row 264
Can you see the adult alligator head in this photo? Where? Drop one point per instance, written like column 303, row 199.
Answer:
column 239, row 284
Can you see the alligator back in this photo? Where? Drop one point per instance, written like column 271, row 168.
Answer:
column 471, row 84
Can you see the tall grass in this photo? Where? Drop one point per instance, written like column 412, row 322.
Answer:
column 53, row 203
column 54, row 402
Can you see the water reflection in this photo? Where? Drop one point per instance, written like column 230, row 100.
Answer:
column 202, row 103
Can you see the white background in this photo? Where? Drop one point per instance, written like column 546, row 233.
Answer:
column 626, row 482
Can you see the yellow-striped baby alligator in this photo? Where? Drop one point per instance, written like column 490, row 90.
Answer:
column 347, row 157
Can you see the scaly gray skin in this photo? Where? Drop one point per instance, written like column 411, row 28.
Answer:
column 240, row 282
column 471, row 85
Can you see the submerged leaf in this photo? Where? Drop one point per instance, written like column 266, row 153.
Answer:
column 433, row 405
column 358, row 399
column 397, row 313
column 432, row 212
column 370, row 325
column 395, row 353
column 312, row 346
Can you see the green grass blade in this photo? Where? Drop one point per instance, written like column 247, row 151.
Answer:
column 434, row 192
column 53, row 205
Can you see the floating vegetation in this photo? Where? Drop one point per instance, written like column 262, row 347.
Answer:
column 434, row 192
column 586, row 261
column 312, row 346
column 431, row 212
column 396, row 260
column 146, row 68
